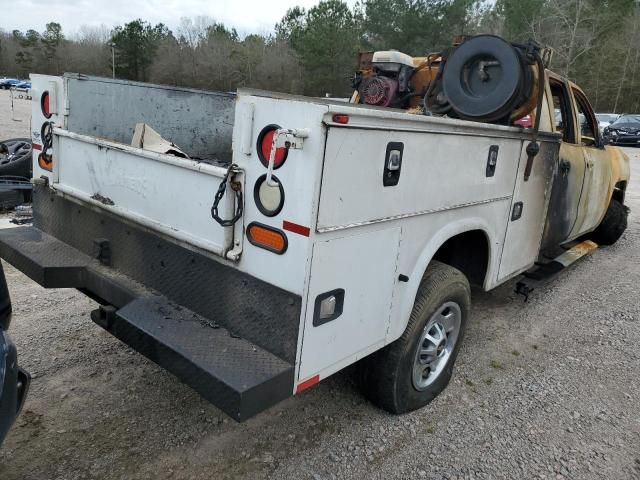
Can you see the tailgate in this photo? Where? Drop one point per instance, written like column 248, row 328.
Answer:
column 167, row 194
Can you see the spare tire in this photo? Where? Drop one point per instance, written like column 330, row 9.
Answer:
column 486, row 78
column 16, row 157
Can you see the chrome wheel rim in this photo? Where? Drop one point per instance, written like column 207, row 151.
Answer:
column 436, row 344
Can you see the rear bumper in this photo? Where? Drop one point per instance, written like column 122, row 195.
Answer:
column 224, row 333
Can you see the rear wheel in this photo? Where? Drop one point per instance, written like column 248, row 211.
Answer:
column 612, row 226
column 414, row 369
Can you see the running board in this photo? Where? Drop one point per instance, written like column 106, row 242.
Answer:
column 543, row 273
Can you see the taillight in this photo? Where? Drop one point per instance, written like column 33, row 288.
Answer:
column 267, row 237
column 45, row 162
column 340, row 118
column 265, row 139
column 269, row 198
column 45, row 105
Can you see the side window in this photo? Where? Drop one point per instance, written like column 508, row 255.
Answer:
column 562, row 110
column 588, row 125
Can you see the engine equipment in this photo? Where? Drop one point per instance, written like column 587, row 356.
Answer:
column 482, row 78
column 393, row 79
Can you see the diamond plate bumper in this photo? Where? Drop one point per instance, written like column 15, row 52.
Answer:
column 236, row 375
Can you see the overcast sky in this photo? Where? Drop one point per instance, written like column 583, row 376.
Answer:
column 247, row 16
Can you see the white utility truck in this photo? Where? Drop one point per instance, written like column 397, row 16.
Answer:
column 285, row 237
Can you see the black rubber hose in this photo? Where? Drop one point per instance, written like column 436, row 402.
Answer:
column 432, row 85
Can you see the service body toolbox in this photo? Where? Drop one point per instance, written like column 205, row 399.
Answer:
column 295, row 236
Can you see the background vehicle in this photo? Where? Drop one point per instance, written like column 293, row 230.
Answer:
column 253, row 268
column 606, row 119
column 26, row 84
column 7, row 83
column 624, row 131
column 14, row 382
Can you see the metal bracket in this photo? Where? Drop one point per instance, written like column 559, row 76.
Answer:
column 285, row 138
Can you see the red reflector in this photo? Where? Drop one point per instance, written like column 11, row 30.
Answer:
column 295, row 228
column 339, row 118
column 307, row 383
column 44, row 105
column 36, row 146
column 265, row 139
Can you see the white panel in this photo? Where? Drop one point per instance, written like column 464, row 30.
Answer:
column 365, row 267
column 439, row 171
column 524, row 235
column 175, row 199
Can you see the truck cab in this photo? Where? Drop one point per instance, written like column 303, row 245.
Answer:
column 590, row 172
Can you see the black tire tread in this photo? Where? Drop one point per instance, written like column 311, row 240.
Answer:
column 21, row 166
column 612, row 226
column 382, row 369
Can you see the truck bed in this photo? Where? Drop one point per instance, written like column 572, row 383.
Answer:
column 199, row 122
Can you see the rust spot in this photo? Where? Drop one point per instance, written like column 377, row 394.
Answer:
column 102, row 199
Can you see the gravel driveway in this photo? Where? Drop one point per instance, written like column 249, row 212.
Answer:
column 544, row 389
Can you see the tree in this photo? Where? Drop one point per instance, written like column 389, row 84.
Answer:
column 136, row 44
column 51, row 38
column 29, row 50
column 326, row 39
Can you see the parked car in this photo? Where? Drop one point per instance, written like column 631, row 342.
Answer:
column 7, row 83
column 14, row 381
column 606, row 119
column 624, row 131
column 26, row 84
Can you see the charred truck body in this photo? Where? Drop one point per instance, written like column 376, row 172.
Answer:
column 299, row 235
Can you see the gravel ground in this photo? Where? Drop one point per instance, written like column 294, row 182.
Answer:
column 14, row 124
column 543, row 389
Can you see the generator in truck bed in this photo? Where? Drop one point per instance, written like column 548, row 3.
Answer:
column 300, row 235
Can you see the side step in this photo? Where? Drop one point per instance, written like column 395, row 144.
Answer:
column 234, row 374
column 543, row 273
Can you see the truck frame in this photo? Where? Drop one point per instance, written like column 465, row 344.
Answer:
column 341, row 233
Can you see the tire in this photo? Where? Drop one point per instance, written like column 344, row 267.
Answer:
column 16, row 157
column 393, row 377
column 10, row 199
column 612, row 226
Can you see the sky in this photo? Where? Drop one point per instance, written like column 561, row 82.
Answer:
column 247, row 16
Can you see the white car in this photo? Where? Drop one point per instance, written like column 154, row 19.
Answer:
column 606, row 119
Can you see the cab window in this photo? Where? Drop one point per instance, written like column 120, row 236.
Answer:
column 563, row 119
column 588, row 125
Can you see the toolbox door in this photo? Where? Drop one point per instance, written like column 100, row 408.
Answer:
column 526, row 220
column 349, row 300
